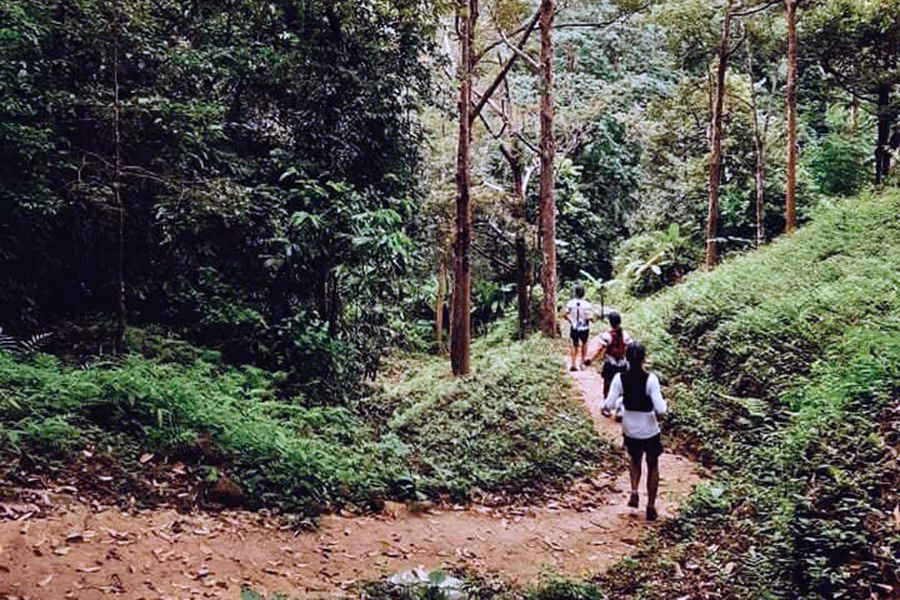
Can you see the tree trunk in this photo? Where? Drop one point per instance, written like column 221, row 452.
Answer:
column 759, row 140
column 523, row 283
column 882, row 149
column 121, row 308
column 790, row 208
column 548, row 177
column 460, row 320
column 439, row 306
column 715, row 143
column 522, row 269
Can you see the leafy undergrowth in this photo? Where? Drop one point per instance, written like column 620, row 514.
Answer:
column 783, row 368
column 515, row 424
column 475, row 585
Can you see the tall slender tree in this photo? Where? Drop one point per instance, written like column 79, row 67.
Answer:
column 548, row 176
column 715, row 139
column 439, row 300
column 119, row 207
column 760, row 124
column 790, row 193
column 460, row 319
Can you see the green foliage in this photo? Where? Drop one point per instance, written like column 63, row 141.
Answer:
column 596, row 192
column 282, row 453
column 513, row 422
column 650, row 261
column 248, row 593
column 515, row 425
column 269, row 158
column 861, row 53
column 784, row 364
column 841, row 161
column 553, row 587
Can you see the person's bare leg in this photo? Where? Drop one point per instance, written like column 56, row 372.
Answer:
column 604, row 411
column 584, row 353
column 573, row 356
column 652, row 486
column 634, row 470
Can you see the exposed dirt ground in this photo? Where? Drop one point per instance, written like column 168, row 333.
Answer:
column 77, row 549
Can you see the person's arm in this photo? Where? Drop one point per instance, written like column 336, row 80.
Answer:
column 600, row 352
column 659, row 403
column 615, row 394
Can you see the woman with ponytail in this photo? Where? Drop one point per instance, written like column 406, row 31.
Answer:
column 638, row 391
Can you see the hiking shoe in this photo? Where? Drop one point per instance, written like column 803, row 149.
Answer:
column 587, row 362
column 605, row 412
column 651, row 513
column 634, row 500
column 572, row 369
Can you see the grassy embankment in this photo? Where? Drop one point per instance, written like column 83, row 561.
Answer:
column 515, row 424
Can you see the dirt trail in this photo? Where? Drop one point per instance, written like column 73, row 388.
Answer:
column 82, row 552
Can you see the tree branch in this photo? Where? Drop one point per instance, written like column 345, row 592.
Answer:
column 505, row 70
column 604, row 24
column 524, row 55
column 752, row 10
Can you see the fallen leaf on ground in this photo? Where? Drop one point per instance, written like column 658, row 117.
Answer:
column 87, row 569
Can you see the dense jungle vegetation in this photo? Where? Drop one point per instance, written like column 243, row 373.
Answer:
column 317, row 248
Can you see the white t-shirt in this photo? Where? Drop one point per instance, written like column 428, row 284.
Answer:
column 606, row 339
column 636, row 424
column 580, row 312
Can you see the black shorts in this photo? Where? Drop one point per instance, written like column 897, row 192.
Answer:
column 610, row 370
column 579, row 336
column 637, row 447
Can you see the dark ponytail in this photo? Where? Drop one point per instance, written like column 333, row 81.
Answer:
column 635, row 355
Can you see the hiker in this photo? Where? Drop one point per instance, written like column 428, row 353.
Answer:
column 579, row 313
column 612, row 346
column 638, row 391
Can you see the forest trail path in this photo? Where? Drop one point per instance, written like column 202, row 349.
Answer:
column 81, row 552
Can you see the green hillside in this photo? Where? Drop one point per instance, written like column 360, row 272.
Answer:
column 784, row 371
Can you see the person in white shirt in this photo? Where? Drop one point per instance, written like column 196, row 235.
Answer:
column 637, row 391
column 579, row 313
column 612, row 346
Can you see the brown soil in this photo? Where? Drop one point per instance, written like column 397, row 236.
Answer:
column 60, row 546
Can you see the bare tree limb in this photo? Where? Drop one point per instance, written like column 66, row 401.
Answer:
column 506, row 68
column 604, row 24
column 752, row 10
column 522, row 54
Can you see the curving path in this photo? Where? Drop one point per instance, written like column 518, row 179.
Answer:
column 86, row 552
